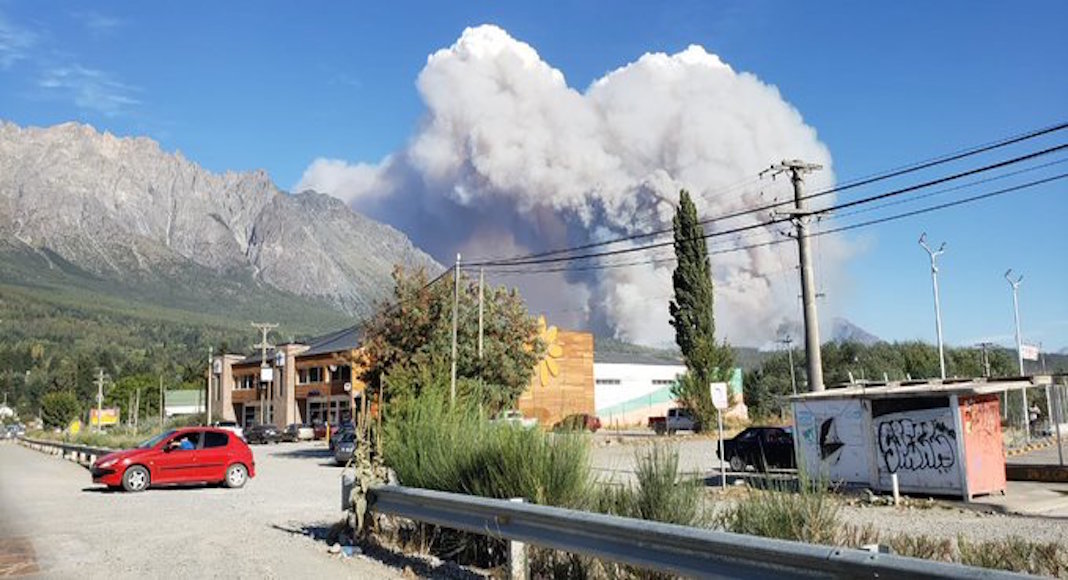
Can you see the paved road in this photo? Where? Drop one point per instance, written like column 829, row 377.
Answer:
column 75, row 529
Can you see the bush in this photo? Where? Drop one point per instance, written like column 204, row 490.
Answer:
column 1017, row 555
column 807, row 515
column 433, row 444
column 58, row 409
column 662, row 494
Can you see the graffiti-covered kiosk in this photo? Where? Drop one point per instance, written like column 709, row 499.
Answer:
column 941, row 437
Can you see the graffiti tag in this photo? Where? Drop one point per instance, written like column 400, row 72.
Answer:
column 917, row 445
column 830, row 445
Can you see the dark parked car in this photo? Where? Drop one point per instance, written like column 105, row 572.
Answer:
column 761, row 447
column 344, row 447
column 578, row 422
column 262, row 434
column 337, row 434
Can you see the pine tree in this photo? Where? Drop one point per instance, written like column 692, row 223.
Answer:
column 692, row 315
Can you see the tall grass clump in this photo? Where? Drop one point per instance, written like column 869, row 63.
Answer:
column 661, row 492
column 1016, row 554
column 809, row 514
column 447, row 446
column 434, row 444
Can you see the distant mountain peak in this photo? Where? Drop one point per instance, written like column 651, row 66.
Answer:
column 842, row 330
column 122, row 208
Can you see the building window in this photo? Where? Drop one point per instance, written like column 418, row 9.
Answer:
column 607, row 381
column 344, row 373
column 309, row 375
column 245, row 382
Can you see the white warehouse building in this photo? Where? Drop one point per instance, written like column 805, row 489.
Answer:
column 629, row 388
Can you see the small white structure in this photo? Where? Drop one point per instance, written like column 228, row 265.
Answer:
column 938, row 437
column 630, row 388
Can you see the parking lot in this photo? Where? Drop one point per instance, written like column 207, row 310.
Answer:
column 77, row 529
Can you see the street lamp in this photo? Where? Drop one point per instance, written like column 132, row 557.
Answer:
column 1019, row 341
column 938, row 309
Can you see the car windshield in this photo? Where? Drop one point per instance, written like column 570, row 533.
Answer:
column 155, row 440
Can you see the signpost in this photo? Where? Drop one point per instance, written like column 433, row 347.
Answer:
column 719, row 400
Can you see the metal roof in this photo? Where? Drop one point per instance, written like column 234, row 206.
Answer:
column 634, row 358
column 341, row 340
column 881, row 390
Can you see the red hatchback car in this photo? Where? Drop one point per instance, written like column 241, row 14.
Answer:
column 190, row 455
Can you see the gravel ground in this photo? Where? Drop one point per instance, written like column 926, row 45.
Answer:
column 613, row 459
column 261, row 531
column 949, row 522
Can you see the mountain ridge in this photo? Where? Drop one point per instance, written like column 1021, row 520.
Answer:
column 122, row 209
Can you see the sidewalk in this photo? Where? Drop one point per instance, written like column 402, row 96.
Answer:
column 1028, row 498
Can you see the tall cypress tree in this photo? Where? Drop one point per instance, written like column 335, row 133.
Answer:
column 692, row 314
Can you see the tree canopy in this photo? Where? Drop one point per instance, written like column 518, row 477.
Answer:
column 692, row 314
column 413, row 333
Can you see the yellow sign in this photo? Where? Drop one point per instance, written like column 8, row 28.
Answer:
column 75, row 427
column 549, row 367
column 107, row 417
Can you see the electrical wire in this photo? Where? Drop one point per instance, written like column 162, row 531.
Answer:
column 867, row 223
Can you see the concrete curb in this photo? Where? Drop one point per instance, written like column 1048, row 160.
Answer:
column 1033, row 446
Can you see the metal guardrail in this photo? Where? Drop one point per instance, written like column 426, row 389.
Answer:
column 80, row 454
column 687, row 551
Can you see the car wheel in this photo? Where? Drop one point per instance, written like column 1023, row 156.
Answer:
column 236, row 476
column 737, row 463
column 135, row 479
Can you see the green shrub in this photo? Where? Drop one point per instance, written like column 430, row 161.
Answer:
column 1016, row 554
column 434, row 444
column 59, row 408
column 810, row 514
column 661, row 494
column 922, row 546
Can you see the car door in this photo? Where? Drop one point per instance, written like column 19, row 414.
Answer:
column 213, row 455
column 175, row 465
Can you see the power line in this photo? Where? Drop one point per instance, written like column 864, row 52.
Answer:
column 865, row 200
column 897, row 172
column 769, row 243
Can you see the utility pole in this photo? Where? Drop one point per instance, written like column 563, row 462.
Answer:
column 938, row 307
column 1015, row 284
column 455, row 316
column 1002, row 397
column 481, row 284
column 211, row 359
column 99, row 399
column 797, row 169
column 264, row 327
column 788, row 341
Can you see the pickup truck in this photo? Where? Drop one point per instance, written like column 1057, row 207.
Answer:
column 761, row 447
column 675, row 420
column 515, row 418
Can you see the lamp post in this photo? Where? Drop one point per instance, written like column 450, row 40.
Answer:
column 1015, row 284
column 938, row 308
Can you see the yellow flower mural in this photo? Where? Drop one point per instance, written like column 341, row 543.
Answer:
column 549, row 367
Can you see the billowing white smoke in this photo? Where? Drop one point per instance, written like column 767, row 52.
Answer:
column 510, row 160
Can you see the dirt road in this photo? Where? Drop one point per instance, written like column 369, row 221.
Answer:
column 76, row 529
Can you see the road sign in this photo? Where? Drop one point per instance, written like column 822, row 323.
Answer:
column 719, row 395
column 107, row 417
column 1029, row 352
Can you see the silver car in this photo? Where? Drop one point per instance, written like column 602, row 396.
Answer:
column 344, row 448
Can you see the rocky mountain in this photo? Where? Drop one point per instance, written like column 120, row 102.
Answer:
column 842, row 330
column 120, row 216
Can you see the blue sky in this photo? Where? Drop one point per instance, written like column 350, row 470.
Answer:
column 243, row 85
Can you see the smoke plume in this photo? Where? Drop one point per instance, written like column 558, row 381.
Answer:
column 509, row 159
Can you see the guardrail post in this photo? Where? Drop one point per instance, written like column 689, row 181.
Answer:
column 517, row 556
